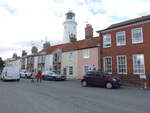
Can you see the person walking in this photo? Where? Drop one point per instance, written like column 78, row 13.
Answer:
column 33, row 75
column 39, row 75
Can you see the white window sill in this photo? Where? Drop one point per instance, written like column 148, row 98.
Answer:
column 122, row 73
column 86, row 57
column 107, row 47
column 137, row 42
column 138, row 73
column 121, row 44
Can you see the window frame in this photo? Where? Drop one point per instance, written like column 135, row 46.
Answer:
column 104, row 69
column 136, row 73
column 86, row 53
column 84, row 68
column 117, row 42
column 70, row 70
column 70, row 55
column 106, row 45
column 133, row 40
column 126, row 66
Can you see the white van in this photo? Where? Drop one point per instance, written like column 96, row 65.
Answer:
column 11, row 71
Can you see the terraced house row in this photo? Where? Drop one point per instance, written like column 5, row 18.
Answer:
column 122, row 50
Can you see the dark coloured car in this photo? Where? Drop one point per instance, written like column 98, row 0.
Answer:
column 49, row 75
column 96, row 78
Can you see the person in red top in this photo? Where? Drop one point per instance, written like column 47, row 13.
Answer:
column 39, row 75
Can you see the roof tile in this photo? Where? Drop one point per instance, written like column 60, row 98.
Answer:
column 81, row 44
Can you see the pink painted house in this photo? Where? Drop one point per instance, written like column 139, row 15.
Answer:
column 89, row 54
column 87, row 60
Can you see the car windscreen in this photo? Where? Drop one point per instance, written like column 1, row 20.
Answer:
column 97, row 73
column 48, row 73
column 90, row 73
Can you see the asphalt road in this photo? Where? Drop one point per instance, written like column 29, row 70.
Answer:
column 70, row 97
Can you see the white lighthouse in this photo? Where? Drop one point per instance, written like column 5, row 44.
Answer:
column 69, row 27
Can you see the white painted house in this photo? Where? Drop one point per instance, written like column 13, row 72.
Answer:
column 48, row 62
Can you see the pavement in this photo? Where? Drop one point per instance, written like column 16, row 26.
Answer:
column 70, row 97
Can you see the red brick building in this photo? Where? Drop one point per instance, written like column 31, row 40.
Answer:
column 125, row 49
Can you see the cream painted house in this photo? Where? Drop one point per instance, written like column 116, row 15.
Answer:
column 69, row 64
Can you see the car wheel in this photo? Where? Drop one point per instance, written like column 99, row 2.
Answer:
column 109, row 85
column 84, row 83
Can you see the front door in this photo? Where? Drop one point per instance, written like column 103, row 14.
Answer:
column 65, row 71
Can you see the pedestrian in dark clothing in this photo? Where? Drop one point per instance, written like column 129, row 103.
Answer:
column 33, row 75
column 39, row 76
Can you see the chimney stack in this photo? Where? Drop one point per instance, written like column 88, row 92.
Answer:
column 34, row 50
column 46, row 45
column 24, row 53
column 72, row 38
column 88, row 31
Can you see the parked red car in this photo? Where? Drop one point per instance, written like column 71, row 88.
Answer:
column 97, row 78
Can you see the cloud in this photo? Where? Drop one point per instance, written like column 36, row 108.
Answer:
column 7, row 49
column 10, row 9
column 23, row 21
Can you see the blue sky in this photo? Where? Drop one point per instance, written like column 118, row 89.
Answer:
column 24, row 23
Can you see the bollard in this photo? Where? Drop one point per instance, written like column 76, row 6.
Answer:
column 145, row 85
column 144, row 79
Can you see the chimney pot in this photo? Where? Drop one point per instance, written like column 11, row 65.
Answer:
column 88, row 31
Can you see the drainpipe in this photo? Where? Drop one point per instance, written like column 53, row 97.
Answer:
column 101, row 52
column 99, row 56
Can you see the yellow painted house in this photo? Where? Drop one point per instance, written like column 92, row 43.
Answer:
column 69, row 64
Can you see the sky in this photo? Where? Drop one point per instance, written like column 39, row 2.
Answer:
column 24, row 23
